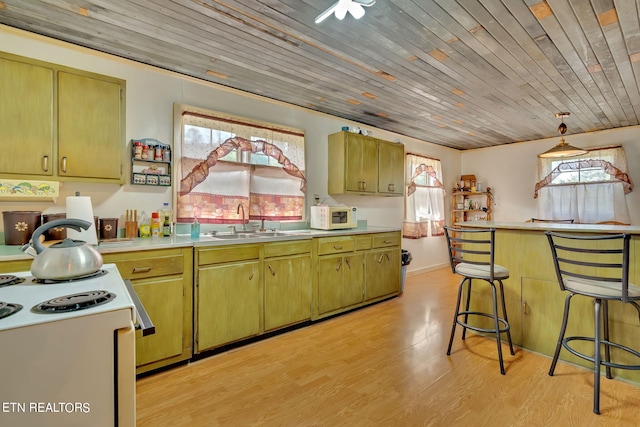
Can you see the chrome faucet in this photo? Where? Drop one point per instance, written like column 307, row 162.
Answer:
column 240, row 205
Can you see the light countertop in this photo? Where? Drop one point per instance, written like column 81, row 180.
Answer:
column 540, row 226
column 13, row 252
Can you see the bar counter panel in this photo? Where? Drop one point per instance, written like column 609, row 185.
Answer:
column 535, row 301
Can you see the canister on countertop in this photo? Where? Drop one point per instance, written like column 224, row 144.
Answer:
column 20, row 225
column 55, row 233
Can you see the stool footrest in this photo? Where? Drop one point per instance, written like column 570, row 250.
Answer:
column 565, row 344
column 479, row 329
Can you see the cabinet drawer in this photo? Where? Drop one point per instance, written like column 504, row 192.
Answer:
column 228, row 254
column 291, row 247
column 151, row 267
column 363, row 243
column 386, row 239
column 335, row 245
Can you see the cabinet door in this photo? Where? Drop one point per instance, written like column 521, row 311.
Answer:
column 90, row 138
column 361, row 173
column 26, row 118
column 390, row 168
column 330, row 273
column 382, row 273
column 162, row 299
column 287, row 287
column 353, row 280
column 229, row 301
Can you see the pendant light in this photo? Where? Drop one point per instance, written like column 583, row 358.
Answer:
column 341, row 7
column 562, row 149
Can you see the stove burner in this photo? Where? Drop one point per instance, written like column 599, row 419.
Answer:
column 75, row 302
column 98, row 273
column 7, row 309
column 8, row 280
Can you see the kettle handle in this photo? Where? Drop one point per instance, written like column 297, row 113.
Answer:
column 75, row 223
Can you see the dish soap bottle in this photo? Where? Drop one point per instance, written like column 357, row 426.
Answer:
column 144, row 226
column 195, row 229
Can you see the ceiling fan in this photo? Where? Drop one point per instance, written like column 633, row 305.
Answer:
column 341, row 7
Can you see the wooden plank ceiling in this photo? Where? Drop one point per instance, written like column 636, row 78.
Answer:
column 464, row 74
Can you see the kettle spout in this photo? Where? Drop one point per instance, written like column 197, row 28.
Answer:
column 29, row 250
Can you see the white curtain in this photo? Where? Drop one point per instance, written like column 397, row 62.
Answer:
column 585, row 203
column 424, row 198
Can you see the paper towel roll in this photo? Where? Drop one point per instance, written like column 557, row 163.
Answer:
column 80, row 207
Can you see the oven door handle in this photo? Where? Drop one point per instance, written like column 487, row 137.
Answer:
column 144, row 321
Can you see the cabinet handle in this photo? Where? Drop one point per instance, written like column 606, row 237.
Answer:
column 64, row 164
column 364, row 185
column 337, row 247
column 380, row 259
column 348, row 264
column 524, row 308
column 45, row 163
column 386, row 242
column 391, row 187
column 339, row 265
column 253, row 273
column 142, row 269
column 273, row 273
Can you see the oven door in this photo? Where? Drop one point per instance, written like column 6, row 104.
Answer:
column 78, row 371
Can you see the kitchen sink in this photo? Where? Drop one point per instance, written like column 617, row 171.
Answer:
column 247, row 235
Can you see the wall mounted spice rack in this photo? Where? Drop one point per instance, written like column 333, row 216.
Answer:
column 150, row 162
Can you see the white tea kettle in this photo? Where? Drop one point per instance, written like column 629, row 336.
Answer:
column 64, row 260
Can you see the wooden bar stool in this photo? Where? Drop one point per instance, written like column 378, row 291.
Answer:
column 596, row 267
column 471, row 255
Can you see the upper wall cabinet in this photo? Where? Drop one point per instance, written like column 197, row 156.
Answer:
column 360, row 164
column 55, row 121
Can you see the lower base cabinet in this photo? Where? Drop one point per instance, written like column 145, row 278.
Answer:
column 229, row 303
column 162, row 280
column 351, row 271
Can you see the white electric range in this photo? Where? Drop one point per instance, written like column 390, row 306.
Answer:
column 70, row 362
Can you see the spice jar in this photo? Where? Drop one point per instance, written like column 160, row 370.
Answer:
column 145, row 152
column 166, row 154
column 137, row 150
column 158, row 152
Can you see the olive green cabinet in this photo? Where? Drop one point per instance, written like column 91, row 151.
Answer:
column 26, row 117
column 340, row 274
column 55, row 122
column 229, row 295
column 162, row 280
column 390, row 168
column 365, row 165
column 287, row 283
column 383, row 266
column 229, row 303
column 353, row 164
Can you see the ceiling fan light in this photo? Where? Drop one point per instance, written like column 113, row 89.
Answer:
column 341, row 8
column 356, row 10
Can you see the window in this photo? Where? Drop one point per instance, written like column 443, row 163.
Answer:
column 424, row 198
column 589, row 188
column 227, row 161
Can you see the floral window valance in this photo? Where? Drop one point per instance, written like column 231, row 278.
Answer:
column 611, row 161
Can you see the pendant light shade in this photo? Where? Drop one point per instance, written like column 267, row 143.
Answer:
column 562, row 149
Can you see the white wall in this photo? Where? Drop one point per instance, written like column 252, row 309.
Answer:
column 511, row 170
column 151, row 93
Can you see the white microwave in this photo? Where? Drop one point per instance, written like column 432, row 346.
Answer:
column 333, row 217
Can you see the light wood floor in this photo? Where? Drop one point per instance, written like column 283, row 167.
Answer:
column 384, row 365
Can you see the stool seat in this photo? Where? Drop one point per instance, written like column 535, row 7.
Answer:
column 600, row 288
column 471, row 255
column 481, row 271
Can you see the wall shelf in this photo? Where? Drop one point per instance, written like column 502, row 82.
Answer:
column 148, row 171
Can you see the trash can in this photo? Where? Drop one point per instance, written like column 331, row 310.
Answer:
column 406, row 260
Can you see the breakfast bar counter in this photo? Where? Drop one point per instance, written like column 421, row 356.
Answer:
column 534, row 299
